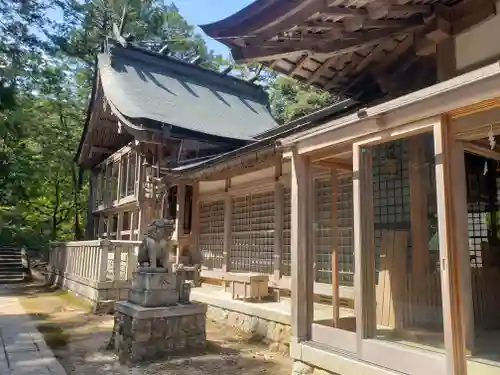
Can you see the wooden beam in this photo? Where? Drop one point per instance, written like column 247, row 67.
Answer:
column 277, row 12
column 444, row 149
column 481, row 150
column 300, row 12
column 364, row 244
column 301, row 252
column 394, row 10
column 277, row 50
column 333, row 163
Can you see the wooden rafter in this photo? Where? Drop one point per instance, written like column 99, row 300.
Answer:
column 298, row 64
column 295, row 16
column 274, row 50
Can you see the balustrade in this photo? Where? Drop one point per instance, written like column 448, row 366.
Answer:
column 91, row 262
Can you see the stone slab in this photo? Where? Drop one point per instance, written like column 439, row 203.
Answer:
column 22, row 348
column 142, row 312
column 153, row 298
column 154, row 281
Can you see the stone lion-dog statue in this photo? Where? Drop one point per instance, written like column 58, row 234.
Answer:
column 155, row 249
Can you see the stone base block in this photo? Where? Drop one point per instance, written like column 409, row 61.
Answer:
column 153, row 298
column 148, row 334
column 148, row 280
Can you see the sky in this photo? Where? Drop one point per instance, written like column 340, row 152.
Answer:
column 199, row 12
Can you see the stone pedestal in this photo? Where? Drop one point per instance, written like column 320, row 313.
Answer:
column 157, row 320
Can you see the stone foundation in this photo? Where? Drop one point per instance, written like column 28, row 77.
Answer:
column 150, row 333
column 302, row 368
column 277, row 335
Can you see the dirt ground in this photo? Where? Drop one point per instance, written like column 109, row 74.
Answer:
column 79, row 338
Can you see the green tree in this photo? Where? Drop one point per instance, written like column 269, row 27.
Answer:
column 291, row 99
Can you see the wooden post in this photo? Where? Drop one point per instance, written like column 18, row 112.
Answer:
column 195, row 225
column 449, row 257
column 364, row 244
column 278, row 219
column 279, row 191
column 460, row 214
column 419, row 184
column 335, row 249
column 119, row 182
column 119, row 225
column 228, row 211
column 301, row 251
column 181, row 212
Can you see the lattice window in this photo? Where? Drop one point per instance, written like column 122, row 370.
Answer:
column 345, row 224
column 323, row 229
column 253, row 233
column 286, row 256
column 211, row 239
column 391, row 190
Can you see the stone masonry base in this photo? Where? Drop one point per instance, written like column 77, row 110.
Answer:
column 277, row 335
column 146, row 334
column 302, row 368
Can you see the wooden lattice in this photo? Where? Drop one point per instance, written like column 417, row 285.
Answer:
column 211, row 238
column 391, row 190
column 286, row 256
column 322, row 230
column 253, row 233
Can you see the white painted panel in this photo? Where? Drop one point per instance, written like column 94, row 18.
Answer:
column 253, row 176
column 479, row 43
column 205, row 186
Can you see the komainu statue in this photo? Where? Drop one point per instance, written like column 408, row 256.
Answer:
column 156, row 246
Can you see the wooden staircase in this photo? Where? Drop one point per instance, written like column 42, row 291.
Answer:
column 11, row 265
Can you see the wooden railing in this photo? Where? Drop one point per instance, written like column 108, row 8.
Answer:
column 94, row 262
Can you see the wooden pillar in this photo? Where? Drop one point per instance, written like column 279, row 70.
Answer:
column 195, row 225
column 100, row 229
column 418, row 195
column 460, row 213
column 364, row 244
column 278, row 220
column 119, row 225
column 301, row 250
column 119, row 182
column 335, row 249
column 446, row 162
column 181, row 208
column 228, row 211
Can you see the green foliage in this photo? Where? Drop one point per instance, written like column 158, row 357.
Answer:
column 45, row 81
column 291, row 99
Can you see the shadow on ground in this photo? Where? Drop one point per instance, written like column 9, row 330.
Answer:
column 79, row 340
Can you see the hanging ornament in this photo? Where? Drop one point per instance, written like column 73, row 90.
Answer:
column 485, row 171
